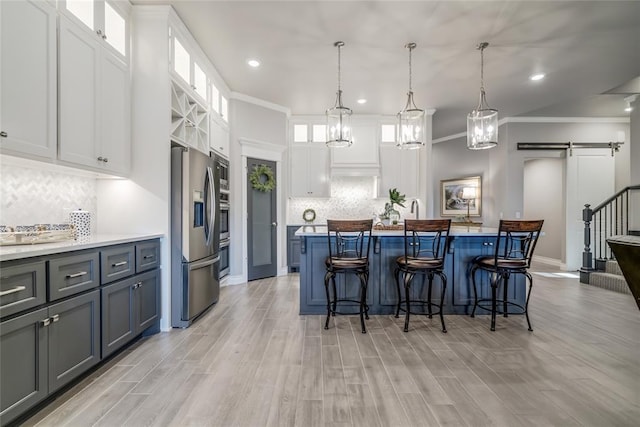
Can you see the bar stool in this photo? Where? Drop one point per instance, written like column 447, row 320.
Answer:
column 425, row 245
column 349, row 244
column 514, row 245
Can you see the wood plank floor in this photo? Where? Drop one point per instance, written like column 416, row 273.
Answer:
column 253, row 361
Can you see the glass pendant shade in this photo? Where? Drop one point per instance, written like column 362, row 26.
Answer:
column 410, row 126
column 339, row 125
column 410, row 129
column 482, row 122
column 339, row 117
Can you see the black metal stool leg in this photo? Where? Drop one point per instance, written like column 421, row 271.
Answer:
column 363, row 300
column 443, row 277
column 335, row 295
column 396, row 275
column 494, row 291
column 505, row 294
column 327, row 277
column 475, row 292
column 526, row 303
column 430, row 275
column 366, row 285
column 407, row 291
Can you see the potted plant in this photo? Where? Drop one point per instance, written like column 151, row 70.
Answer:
column 390, row 214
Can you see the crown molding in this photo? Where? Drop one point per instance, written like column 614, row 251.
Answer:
column 535, row 119
column 260, row 102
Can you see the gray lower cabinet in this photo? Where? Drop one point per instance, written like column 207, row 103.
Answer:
column 293, row 249
column 74, row 338
column 23, row 364
column 73, row 273
column 117, row 263
column 45, row 349
column 128, row 308
column 23, row 285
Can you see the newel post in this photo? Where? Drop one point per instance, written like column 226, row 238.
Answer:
column 587, row 257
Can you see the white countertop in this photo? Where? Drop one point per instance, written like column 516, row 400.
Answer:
column 321, row 230
column 8, row 253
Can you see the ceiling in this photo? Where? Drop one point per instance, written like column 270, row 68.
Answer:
column 584, row 48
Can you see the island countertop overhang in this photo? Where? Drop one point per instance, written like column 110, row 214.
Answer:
column 321, row 230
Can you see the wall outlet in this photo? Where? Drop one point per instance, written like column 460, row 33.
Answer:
column 517, row 215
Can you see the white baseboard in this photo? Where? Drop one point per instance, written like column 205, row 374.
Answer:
column 283, row 271
column 550, row 261
column 234, row 280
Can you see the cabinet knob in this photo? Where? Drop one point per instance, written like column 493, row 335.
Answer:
column 45, row 322
column 55, row 318
column 99, row 32
column 100, row 159
column 3, row 134
column 105, row 160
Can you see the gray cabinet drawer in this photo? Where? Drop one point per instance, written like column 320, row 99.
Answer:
column 117, row 263
column 23, row 285
column 147, row 256
column 74, row 273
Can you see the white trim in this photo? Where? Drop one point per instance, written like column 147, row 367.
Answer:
column 564, row 120
column 283, row 271
column 266, row 151
column 235, row 280
column 550, row 261
column 260, row 102
column 533, row 119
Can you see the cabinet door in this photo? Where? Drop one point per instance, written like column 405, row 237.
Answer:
column 74, row 338
column 28, row 78
column 399, row 169
column 118, row 322
column 299, row 173
column 115, row 112
column 147, row 300
column 219, row 137
column 318, row 171
column 23, row 364
column 78, row 93
column 147, row 256
column 23, row 285
column 465, row 250
column 293, row 249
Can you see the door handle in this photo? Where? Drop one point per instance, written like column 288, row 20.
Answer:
column 119, row 264
column 201, row 264
column 274, row 224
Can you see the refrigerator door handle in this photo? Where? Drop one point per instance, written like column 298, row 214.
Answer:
column 212, row 198
column 201, row 264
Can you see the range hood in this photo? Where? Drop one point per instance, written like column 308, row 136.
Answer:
column 362, row 158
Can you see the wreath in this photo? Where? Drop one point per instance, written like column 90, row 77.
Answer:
column 262, row 178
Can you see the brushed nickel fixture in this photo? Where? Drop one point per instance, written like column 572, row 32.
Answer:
column 339, row 116
column 410, row 132
column 482, row 123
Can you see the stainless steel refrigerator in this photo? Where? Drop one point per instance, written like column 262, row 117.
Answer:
column 195, row 234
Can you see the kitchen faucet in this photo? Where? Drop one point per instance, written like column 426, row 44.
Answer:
column 416, row 203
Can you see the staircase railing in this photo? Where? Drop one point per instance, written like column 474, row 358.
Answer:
column 609, row 218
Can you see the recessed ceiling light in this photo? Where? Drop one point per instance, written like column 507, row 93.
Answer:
column 361, row 101
column 536, row 77
column 253, row 63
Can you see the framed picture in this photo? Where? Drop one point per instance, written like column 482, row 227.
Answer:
column 458, row 195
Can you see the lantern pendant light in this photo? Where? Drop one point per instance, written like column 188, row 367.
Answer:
column 410, row 131
column 339, row 117
column 482, row 123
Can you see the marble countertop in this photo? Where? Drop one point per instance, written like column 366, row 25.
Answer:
column 8, row 253
column 321, row 230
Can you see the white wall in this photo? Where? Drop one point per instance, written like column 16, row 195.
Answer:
column 266, row 129
column 544, row 198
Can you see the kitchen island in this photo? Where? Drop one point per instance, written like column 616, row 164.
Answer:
column 465, row 243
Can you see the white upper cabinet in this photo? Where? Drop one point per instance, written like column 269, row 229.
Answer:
column 399, row 168
column 28, row 78
column 105, row 19
column 189, row 120
column 309, row 158
column 94, row 102
column 361, row 158
column 219, row 137
column 309, row 170
column 188, row 69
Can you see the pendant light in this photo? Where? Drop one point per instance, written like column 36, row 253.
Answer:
column 410, row 132
column 482, row 123
column 339, row 117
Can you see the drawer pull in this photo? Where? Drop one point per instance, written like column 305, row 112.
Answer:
column 55, row 318
column 74, row 275
column 118, row 264
column 148, row 256
column 12, row 290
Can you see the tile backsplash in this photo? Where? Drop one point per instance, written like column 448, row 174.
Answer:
column 33, row 196
column 351, row 198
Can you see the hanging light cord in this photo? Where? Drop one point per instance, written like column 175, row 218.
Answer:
column 410, row 49
column 339, row 49
column 482, row 99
